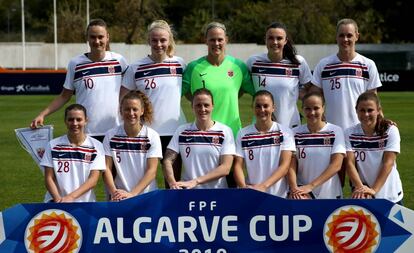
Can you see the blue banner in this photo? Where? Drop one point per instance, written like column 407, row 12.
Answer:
column 208, row 221
column 31, row 82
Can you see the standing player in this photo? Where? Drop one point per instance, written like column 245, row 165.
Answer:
column 225, row 76
column 206, row 148
column 320, row 150
column 266, row 148
column 159, row 76
column 95, row 78
column 344, row 76
column 134, row 148
column 281, row 72
column 73, row 161
column 372, row 147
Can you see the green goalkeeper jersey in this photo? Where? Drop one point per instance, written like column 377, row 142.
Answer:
column 224, row 82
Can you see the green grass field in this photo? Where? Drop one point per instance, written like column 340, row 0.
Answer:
column 22, row 182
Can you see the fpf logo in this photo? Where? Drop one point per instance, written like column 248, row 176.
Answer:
column 54, row 231
column 352, row 229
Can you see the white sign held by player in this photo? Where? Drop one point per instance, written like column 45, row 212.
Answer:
column 34, row 141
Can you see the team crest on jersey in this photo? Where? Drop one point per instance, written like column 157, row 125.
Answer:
column 40, row 152
column 276, row 140
column 352, row 229
column 358, row 72
column 111, row 69
column 230, row 73
column 54, row 231
column 88, row 157
column 143, row 146
column 215, row 140
column 289, row 71
column 381, row 144
column 173, row 70
column 326, row 141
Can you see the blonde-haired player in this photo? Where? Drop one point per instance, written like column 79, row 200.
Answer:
column 159, row 76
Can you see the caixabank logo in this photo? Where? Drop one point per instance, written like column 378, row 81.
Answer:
column 54, row 231
column 352, row 229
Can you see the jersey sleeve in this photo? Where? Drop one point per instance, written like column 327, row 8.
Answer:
column 186, row 87
column 174, row 145
column 317, row 75
column 70, row 75
column 124, row 64
column 339, row 143
column 288, row 140
column 247, row 83
column 105, row 143
column 99, row 161
column 249, row 63
column 305, row 75
column 182, row 62
column 128, row 80
column 348, row 145
column 374, row 80
column 228, row 147
column 155, row 151
column 47, row 157
column 239, row 150
column 393, row 142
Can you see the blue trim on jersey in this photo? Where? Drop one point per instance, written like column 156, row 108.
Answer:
column 75, row 155
column 124, row 143
column 99, row 70
column 214, row 140
column 144, row 146
column 361, row 142
column 254, row 143
column 145, row 73
column 322, row 141
column 279, row 71
column 351, row 72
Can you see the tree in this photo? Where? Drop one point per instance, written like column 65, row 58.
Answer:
column 132, row 18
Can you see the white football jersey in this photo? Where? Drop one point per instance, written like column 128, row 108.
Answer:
column 369, row 152
column 130, row 155
column 283, row 80
column 72, row 165
column 261, row 154
column 96, row 86
column 161, row 82
column 313, row 154
column 342, row 83
column 201, row 150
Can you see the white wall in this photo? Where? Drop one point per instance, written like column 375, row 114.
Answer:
column 41, row 55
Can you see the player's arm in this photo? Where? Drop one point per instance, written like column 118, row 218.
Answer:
column 333, row 168
column 122, row 92
column 167, row 166
column 55, row 105
column 360, row 189
column 292, row 178
column 89, row 184
column 51, row 185
column 222, row 170
column 281, row 171
column 388, row 162
column 149, row 176
column 238, row 172
column 108, row 176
